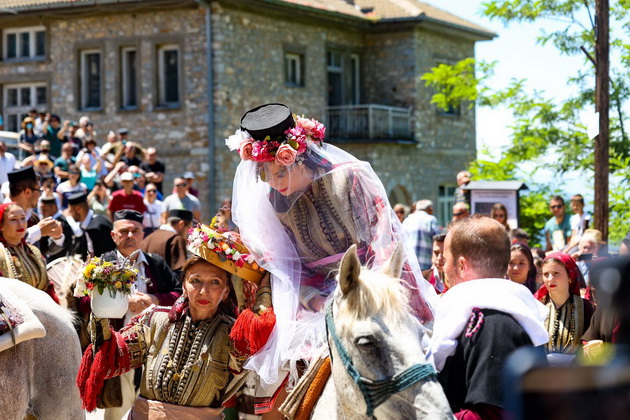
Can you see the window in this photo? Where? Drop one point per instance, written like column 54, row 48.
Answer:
column 24, row 43
column 18, row 99
column 335, row 78
column 168, row 76
column 90, row 79
column 129, row 78
column 355, row 80
column 446, row 201
column 294, row 69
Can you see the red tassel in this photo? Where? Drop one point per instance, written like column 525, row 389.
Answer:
column 111, row 359
column 240, row 331
column 261, row 329
column 251, row 332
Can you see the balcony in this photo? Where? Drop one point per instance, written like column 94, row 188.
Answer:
column 368, row 123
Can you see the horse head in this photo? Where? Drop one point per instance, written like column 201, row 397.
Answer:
column 378, row 365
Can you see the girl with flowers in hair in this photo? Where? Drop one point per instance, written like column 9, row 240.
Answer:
column 569, row 314
column 300, row 204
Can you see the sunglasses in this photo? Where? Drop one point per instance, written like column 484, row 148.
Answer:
column 557, row 206
column 150, row 191
column 180, row 185
column 73, row 173
column 400, row 212
column 37, row 189
column 458, row 214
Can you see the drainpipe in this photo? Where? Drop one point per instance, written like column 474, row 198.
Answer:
column 210, row 96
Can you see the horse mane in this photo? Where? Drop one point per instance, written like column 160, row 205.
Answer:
column 376, row 293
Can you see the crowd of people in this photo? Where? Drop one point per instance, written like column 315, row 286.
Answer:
column 115, row 172
column 299, row 204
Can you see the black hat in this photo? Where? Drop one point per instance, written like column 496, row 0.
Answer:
column 77, row 198
column 267, row 120
column 123, row 131
column 22, row 174
column 48, row 200
column 134, row 216
column 185, row 215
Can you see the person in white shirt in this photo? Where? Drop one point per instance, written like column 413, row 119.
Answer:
column 7, row 162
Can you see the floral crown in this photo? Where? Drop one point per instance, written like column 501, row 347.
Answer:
column 283, row 150
column 225, row 250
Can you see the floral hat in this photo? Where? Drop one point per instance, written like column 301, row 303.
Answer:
column 271, row 133
column 225, row 250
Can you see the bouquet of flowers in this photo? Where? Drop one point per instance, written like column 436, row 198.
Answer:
column 98, row 274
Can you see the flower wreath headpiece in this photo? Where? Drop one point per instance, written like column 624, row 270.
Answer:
column 285, row 149
column 225, row 250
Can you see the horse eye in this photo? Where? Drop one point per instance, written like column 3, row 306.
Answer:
column 366, row 342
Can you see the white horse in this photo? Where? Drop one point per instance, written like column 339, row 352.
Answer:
column 38, row 376
column 375, row 341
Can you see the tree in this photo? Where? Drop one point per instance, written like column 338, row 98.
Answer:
column 544, row 127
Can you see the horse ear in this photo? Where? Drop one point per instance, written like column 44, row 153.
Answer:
column 349, row 270
column 393, row 266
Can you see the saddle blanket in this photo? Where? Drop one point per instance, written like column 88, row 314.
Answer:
column 17, row 317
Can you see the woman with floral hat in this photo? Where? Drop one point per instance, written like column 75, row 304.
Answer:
column 190, row 364
column 300, row 204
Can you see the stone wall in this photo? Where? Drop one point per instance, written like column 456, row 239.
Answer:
column 181, row 134
column 248, row 68
column 250, row 73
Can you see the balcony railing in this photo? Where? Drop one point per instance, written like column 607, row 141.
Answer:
column 368, row 122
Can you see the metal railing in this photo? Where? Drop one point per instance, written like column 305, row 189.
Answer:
column 368, row 122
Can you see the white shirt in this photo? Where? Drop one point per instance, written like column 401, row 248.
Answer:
column 84, row 224
column 578, row 223
column 7, row 164
column 168, row 228
column 153, row 214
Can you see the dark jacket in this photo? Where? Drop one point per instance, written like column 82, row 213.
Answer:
column 100, row 232
column 52, row 253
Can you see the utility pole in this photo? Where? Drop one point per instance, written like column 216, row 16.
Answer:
column 602, row 94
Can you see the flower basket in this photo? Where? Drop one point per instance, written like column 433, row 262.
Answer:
column 109, row 285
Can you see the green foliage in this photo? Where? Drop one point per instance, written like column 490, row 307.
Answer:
column 544, row 126
column 455, row 84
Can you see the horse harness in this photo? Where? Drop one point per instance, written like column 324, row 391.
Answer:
column 375, row 393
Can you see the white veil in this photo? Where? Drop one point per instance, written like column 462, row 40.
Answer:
column 300, row 332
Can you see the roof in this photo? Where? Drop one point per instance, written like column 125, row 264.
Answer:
column 496, row 186
column 372, row 10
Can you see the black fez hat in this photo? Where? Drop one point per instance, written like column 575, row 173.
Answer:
column 267, row 120
column 77, row 198
column 48, row 200
column 22, row 174
column 185, row 215
column 134, row 216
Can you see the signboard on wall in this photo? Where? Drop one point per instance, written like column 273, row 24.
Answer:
column 481, row 201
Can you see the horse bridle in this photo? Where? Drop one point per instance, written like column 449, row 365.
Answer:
column 375, row 393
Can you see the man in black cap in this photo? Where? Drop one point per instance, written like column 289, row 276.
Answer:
column 49, row 209
column 95, row 233
column 25, row 190
column 169, row 241
column 156, row 284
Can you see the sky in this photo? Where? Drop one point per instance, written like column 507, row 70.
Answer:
column 518, row 56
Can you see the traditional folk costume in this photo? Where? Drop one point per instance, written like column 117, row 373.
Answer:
column 478, row 324
column 567, row 323
column 190, row 368
column 299, row 231
column 24, row 262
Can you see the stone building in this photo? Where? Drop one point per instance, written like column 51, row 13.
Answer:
column 144, row 65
